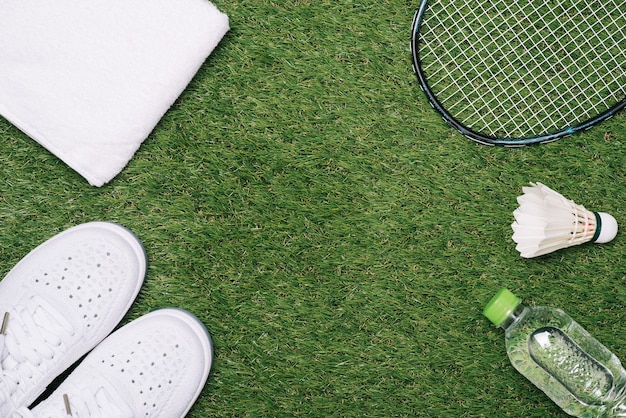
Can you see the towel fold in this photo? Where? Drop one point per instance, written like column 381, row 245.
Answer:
column 90, row 79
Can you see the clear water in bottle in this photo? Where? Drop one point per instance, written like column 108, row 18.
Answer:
column 560, row 357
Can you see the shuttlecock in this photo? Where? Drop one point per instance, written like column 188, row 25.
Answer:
column 545, row 221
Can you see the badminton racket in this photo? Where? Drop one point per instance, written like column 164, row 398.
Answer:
column 515, row 72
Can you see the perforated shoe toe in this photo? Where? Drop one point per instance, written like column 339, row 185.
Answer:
column 156, row 366
column 61, row 300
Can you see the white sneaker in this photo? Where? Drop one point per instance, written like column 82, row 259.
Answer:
column 60, row 301
column 153, row 367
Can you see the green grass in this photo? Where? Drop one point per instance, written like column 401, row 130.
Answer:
column 336, row 237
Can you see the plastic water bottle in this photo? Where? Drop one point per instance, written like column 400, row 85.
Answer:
column 560, row 357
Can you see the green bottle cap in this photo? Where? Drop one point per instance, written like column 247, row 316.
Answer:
column 501, row 306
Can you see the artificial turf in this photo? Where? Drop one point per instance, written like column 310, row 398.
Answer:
column 336, row 237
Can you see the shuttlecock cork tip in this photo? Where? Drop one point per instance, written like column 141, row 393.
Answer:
column 608, row 228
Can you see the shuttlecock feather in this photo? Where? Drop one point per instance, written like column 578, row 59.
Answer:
column 545, row 221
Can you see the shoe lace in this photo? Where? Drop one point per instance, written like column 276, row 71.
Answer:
column 103, row 402
column 31, row 336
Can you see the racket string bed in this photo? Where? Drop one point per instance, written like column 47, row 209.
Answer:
column 486, row 46
column 521, row 69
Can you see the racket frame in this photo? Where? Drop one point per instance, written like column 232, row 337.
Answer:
column 482, row 138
